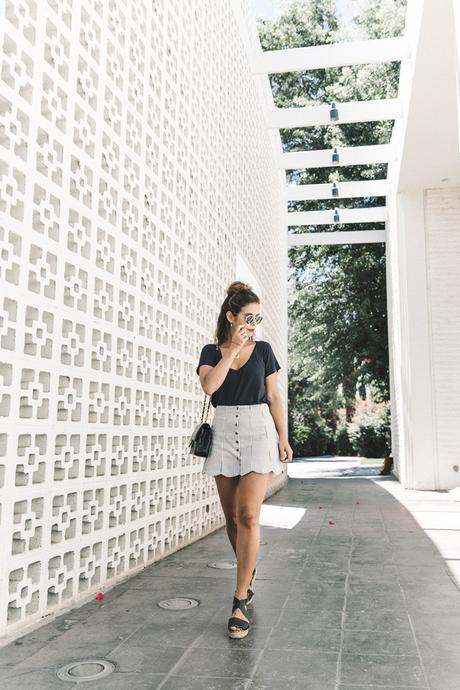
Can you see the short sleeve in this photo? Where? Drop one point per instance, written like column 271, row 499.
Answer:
column 207, row 356
column 271, row 363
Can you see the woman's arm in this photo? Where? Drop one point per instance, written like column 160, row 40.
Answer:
column 211, row 378
column 276, row 405
column 277, row 412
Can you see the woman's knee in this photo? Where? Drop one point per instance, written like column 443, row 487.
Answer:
column 247, row 518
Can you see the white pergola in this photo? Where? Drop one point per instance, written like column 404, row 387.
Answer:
column 322, row 57
column 420, row 215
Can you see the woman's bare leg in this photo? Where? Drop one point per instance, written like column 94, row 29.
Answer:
column 250, row 493
column 227, row 487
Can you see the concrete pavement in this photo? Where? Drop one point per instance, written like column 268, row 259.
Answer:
column 351, row 593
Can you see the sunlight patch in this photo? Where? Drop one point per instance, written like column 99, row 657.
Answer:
column 280, row 516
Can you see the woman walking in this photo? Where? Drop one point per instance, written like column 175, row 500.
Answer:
column 249, row 434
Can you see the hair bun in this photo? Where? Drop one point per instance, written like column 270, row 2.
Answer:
column 236, row 286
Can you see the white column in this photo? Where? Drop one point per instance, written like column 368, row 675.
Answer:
column 417, row 408
column 394, row 339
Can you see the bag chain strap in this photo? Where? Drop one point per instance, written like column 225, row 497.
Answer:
column 202, row 412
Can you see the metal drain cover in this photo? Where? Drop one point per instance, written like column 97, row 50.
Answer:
column 85, row 670
column 178, row 603
column 225, row 565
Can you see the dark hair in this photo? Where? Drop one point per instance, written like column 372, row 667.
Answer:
column 238, row 295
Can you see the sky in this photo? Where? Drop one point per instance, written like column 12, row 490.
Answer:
column 271, row 8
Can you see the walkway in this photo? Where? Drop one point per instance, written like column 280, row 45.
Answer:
column 350, row 594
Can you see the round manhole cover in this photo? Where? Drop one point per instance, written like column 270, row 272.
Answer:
column 224, row 565
column 178, row 603
column 85, row 670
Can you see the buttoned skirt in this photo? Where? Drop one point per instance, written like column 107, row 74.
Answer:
column 244, row 439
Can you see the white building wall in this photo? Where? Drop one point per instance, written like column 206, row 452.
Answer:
column 442, row 217
column 423, row 254
column 134, row 168
column 423, row 247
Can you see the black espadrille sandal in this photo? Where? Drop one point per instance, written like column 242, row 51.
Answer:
column 251, row 587
column 238, row 622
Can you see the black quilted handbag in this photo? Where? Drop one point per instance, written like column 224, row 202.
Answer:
column 201, row 438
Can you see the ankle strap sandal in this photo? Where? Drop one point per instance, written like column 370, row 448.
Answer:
column 241, row 625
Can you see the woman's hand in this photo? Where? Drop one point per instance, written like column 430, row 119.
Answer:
column 285, row 450
column 239, row 339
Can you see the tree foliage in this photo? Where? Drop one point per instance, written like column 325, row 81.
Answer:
column 337, row 307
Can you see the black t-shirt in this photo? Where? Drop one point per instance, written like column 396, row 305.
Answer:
column 245, row 386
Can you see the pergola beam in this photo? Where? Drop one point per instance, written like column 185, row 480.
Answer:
column 376, row 214
column 346, row 190
column 349, row 155
column 353, row 111
column 333, row 55
column 351, row 237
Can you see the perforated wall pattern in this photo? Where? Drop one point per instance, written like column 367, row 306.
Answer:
column 134, row 166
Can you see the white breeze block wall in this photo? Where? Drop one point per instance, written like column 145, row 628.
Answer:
column 442, row 219
column 134, row 166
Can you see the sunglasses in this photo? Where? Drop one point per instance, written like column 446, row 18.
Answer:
column 251, row 319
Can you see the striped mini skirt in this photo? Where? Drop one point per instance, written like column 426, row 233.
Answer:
column 244, row 439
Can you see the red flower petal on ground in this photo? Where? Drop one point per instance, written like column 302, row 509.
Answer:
column 99, row 595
